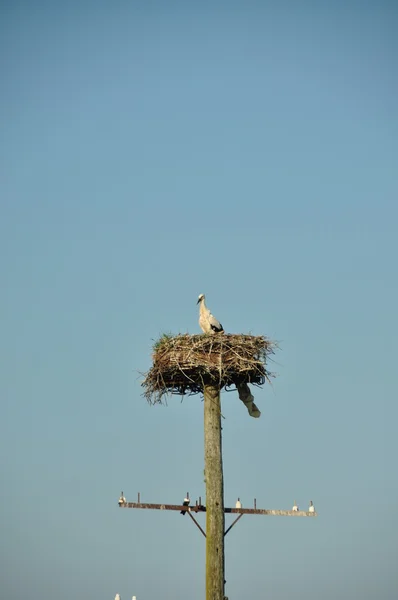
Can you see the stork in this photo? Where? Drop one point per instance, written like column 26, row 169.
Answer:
column 208, row 323
column 295, row 507
column 311, row 507
column 238, row 503
column 185, row 503
column 122, row 500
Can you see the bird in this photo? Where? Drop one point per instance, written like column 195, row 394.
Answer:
column 238, row 503
column 311, row 507
column 122, row 499
column 295, row 507
column 185, row 503
column 208, row 323
column 117, row 597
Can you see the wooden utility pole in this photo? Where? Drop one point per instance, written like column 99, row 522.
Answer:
column 215, row 518
column 192, row 364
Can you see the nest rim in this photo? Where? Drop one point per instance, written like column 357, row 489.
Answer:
column 184, row 364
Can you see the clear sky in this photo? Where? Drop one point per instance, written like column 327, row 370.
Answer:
column 151, row 151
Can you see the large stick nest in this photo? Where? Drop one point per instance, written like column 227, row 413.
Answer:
column 184, row 364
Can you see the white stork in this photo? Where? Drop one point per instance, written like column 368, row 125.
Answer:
column 311, row 507
column 238, row 503
column 295, row 507
column 122, row 500
column 208, row 323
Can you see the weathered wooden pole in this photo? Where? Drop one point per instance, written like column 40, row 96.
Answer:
column 191, row 364
column 215, row 520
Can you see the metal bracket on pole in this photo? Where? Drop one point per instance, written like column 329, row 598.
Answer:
column 196, row 523
column 230, row 527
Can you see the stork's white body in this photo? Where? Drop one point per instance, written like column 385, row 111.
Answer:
column 295, row 507
column 208, row 323
column 311, row 508
column 238, row 504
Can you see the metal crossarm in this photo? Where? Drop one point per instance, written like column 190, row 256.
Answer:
column 239, row 511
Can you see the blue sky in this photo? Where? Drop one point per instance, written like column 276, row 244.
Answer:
column 150, row 153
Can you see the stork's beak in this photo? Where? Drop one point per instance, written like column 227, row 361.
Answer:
column 199, row 299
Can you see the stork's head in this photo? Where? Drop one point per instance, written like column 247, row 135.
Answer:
column 200, row 298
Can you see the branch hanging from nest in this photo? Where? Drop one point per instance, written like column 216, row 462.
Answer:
column 184, row 364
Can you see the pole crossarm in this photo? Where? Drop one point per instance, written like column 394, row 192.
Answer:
column 271, row 512
column 239, row 511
